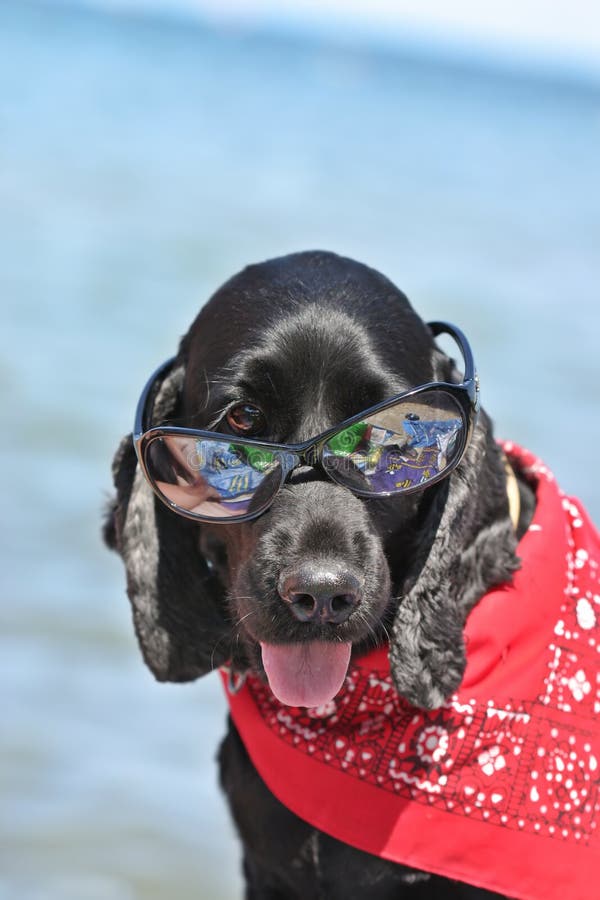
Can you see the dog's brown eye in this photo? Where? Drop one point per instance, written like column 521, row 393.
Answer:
column 245, row 419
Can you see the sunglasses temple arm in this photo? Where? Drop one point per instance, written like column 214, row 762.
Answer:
column 140, row 424
column 471, row 378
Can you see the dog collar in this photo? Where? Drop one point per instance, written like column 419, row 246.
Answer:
column 512, row 493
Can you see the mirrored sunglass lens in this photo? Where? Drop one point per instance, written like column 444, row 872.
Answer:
column 402, row 447
column 213, row 478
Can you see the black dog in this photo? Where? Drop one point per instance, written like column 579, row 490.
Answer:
column 282, row 352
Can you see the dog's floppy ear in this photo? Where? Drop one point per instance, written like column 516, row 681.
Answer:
column 177, row 602
column 467, row 545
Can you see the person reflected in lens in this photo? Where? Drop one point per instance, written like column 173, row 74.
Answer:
column 176, row 473
column 213, row 478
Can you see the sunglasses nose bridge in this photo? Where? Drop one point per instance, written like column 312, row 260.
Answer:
column 310, row 456
column 307, row 458
column 290, row 462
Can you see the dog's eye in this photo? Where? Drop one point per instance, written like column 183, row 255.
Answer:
column 245, row 419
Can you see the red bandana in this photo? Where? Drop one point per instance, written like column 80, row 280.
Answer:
column 499, row 788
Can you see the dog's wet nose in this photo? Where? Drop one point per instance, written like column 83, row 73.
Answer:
column 320, row 594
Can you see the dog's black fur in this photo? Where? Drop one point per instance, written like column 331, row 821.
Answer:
column 310, row 339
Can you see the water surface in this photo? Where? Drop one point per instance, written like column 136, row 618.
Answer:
column 142, row 162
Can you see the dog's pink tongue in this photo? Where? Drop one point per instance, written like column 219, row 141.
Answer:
column 305, row 674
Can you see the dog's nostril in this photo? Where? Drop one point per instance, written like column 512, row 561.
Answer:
column 320, row 595
column 341, row 601
column 304, row 602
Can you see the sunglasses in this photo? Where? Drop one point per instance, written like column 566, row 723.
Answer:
column 397, row 447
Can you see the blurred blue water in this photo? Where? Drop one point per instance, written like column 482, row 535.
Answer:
column 142, row 162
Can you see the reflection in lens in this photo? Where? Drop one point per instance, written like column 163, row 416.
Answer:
column 401, row 447
column 213, row 478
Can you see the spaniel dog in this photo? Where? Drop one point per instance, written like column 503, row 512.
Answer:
column 310, row 481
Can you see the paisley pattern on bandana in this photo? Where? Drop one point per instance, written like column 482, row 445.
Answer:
column 522, row 757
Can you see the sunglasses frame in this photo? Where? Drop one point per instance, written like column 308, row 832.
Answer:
column 309, row 453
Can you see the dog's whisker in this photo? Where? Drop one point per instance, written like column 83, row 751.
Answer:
column 246, row 616
column 207, row 384
column 374, row 622
column 386, row 632
column 214, row 650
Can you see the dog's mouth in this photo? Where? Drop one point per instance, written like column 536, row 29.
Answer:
column 306, row 674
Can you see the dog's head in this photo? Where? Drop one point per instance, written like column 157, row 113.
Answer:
column 282, row 352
